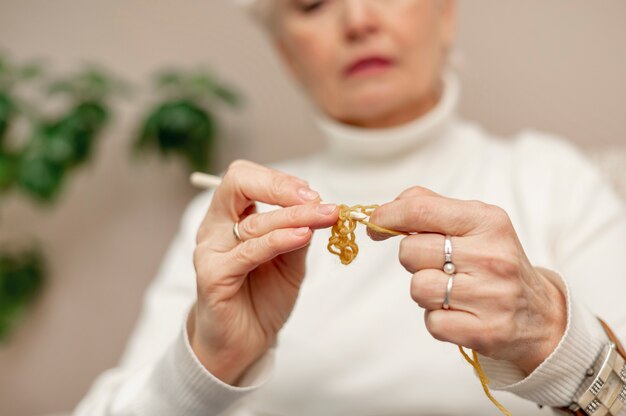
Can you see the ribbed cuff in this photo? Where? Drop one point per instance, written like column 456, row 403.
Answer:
column 556, row 380
column 180, row 384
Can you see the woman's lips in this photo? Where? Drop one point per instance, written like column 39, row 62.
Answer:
column 368, row 66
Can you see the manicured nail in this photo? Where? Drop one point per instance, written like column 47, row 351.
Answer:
column 308, row 194
column 326, row 209
column 301, row 231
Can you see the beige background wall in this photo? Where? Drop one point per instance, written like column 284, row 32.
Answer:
column 556, row 66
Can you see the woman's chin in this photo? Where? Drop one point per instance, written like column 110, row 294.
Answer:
column 381, row 104
column 371, row 110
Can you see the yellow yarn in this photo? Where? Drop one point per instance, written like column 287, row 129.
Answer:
column 342, row 243
column 342, row 240
column 483, row 378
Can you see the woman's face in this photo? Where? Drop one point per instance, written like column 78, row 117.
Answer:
column 370, row 63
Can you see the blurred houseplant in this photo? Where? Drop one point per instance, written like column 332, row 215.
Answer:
column 21, row 277
column 182, row 121
column 38, row 159
column 11, row 76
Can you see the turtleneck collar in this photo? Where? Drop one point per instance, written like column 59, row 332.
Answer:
column 348, row 141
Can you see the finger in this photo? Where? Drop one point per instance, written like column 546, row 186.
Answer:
column 245, row 182
column 416, row 191
column 428, row 289
column 292, row 265
column 314, row 216
column 456, row 327
column 412, row 192
column 478, row 295
column 426, row 251
column 430, row 214
column 250, row 254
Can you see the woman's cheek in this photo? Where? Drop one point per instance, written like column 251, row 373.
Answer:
column 311, row 56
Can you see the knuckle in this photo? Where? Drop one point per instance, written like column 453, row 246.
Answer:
column 436, row 327
column 414, row 191
column 507, row 266
column 428, row 286
column 498, row 217
column 292, row 215
column 405, row 254
column 479, row 205
column 498, row 211
column 513, row 294
column 272, row 241
column 279, row 186
column 419, row 189
column 236, row 170
column 234, row 167
column 422, row 283
column 482, row 209
column 415, row 288
column 502, row 264
column 419, row 212
column 249, row 226
column 202, row 262
column 239, row 164
column 245, row 253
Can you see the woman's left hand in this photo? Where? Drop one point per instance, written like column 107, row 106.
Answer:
column 500, row 305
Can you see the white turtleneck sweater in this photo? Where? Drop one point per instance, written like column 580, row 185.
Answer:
column 355, row 343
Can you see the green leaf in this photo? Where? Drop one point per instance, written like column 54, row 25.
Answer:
column 168, row 79
column 227, row 95
column 40, row 178
column 89, row 84
column 7, row 110
column 21, row 278
column 30, row 71
column 62, row 87
column 179, row 127
column 8, row 169
column 3, row 64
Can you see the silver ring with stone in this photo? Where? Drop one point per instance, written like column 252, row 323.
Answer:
column 236, row 231
column 448, row 266
column 446, row 297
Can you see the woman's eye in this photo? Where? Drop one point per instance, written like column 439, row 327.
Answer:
column 310, row 6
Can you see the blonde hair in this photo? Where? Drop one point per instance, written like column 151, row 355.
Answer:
column 261, row 10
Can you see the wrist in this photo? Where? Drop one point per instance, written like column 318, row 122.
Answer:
column 604, row 389
column 553, row 322
column 226, row 365
column 555, row 381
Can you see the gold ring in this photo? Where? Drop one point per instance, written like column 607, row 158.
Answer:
column 236, row 231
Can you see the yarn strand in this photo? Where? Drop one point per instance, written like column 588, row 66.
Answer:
column 342, row 240
column 342, row 243
column 484, row 381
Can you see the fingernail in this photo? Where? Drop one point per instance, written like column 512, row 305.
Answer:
column 301, row 231
column 308, row 194
column 326, row 209
column 375, row 235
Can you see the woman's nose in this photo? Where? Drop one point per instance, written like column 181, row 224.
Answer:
column 359, row 19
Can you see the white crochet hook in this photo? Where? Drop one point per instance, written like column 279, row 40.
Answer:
column 206, row 181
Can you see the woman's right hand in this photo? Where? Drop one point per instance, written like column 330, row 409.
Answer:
column 246, row 289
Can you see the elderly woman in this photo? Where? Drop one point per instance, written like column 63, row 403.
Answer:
column 510, row 248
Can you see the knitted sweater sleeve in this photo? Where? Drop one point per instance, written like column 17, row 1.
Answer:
column 159, row 374
column 586, row 233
